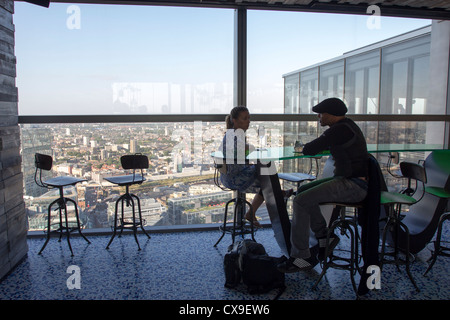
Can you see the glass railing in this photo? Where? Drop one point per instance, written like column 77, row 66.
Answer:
column 179, row 187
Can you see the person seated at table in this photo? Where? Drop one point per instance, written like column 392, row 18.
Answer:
column 239, row 175
column 348, row 148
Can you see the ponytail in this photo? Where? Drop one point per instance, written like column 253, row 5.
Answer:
column 228, row 122
column 234, row 114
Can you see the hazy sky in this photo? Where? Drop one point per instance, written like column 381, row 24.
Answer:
column 69, row 58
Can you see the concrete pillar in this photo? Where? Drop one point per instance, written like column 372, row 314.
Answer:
column 13, row 220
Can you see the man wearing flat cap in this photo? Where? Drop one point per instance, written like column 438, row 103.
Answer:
column 348, row 148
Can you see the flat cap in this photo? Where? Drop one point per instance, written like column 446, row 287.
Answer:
column 332, row 106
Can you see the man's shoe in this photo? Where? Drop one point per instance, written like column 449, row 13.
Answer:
column 332, row 243
column 297, row 264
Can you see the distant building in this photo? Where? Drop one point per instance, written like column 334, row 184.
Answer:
column 178, row 208
column 134, row 146
column 400, row 75
column 203, row 188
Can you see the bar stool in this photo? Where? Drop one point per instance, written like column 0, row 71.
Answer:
column 344, row 224
column 238, row 226
column 439, row 250
column 394, row 200
column 45, row 162
column 129, row 162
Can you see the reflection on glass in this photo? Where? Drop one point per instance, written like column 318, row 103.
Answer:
column 309, row 89
column 404, row 77
column 361, row 83
column 392, row 79
column 124, row 59
column 331, row 83
column 291, row 96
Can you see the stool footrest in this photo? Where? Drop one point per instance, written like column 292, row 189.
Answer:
column 237, row 231
column 63, row 227
column 442, row 251
column 237, row 226
column 396, row 259
column 137, row 222
column 346, row 266
column 348, row 227
column 63, row 230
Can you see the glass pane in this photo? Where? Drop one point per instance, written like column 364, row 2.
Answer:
column 373, row 89
column 180, row 174
column 291, row 96
column 123, row 59
column 280, row 43
column 362, row 82
column 404, row 72
column 180, row 186
column 420, row 84
column 309, row 90
column 304, row 131
column 179, row 189
column 331, row 83
column 404, row 133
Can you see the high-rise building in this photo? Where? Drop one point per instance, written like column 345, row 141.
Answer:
column 133, row 146
column 391, row 77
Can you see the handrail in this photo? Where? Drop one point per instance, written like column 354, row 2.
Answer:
column 136, row 118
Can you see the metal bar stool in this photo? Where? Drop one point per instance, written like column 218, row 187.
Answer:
column 45, row 162
column 439, row 250
column 394, row 200
column 238, row 226
column 133, row 162
column 345, row 224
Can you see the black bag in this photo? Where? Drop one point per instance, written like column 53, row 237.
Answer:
column 248, row 262
column 231, row 266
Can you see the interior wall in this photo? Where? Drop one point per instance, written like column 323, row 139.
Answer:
column 13, row 221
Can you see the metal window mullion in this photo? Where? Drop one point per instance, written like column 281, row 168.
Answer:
column 240, row 57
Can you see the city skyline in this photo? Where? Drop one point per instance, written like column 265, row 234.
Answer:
column 93, row 151
column 178, row 190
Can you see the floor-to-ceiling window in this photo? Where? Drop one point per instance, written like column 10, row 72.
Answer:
column 91, row 60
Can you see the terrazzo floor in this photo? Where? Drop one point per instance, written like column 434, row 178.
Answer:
column 186, row 266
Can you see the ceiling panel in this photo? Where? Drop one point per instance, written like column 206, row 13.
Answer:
column 429, row 9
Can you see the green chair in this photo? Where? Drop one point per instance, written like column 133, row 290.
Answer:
column 414, row 192
column 439, row 250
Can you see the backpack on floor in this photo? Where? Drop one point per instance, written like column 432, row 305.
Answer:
column 231, row 266
column 247, row 262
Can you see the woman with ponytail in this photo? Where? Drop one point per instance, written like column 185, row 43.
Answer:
column 241, row 176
